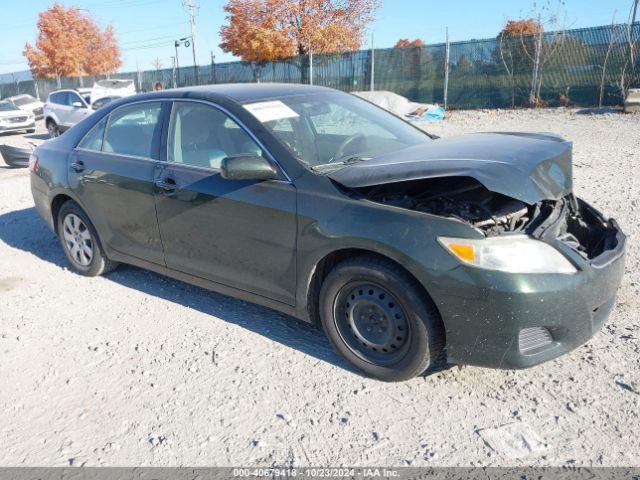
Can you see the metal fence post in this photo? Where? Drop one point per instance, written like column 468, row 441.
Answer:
column 173, row 72
column 446, row 70
column 373, row 65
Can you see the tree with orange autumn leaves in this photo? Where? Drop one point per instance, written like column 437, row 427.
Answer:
column 527, row 26
column 260, row 31
column 406, row 43
column 69, row 43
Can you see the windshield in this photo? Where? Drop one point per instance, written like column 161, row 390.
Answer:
column 23, row 100
column 6, row 107
column 326, row 130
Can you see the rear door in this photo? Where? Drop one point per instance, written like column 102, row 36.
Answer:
column 237, row 233
column 112, row 173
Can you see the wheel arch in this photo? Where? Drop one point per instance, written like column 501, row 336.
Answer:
column 329, row 261
column 56, row 203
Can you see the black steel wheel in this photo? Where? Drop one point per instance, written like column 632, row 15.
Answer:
column 378, row 317
column 372, row 323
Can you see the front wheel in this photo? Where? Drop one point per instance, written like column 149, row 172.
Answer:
column 80, row 242
column 53, row 129
column 379, row 319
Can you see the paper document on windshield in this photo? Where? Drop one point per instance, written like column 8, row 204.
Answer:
column 270, row 111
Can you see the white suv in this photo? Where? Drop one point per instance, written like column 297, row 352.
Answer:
column 65, row 108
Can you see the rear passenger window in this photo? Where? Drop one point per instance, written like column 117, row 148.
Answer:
column 93, row 139
column 131, row 130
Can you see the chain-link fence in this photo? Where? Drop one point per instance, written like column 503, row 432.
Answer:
column 584, row 67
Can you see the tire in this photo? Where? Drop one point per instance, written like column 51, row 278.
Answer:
column 380, row 320
column 53, row 129
column 75, row 229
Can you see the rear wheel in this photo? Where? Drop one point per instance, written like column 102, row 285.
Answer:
column 379, row 319
column 53, row 129
column 80, row 242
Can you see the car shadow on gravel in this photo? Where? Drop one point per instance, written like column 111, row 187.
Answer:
column 26, row 231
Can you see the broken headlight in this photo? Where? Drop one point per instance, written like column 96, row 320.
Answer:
column 513, row 253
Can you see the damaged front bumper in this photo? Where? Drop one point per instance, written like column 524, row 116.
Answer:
column 505, row 320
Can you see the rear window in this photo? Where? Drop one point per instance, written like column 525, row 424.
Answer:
column 93, row 139
column 132, row 129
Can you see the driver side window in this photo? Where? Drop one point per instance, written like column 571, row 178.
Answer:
column 202, row 136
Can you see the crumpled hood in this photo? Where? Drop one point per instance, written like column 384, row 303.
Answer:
column 529, row 167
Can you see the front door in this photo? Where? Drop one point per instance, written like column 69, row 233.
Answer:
column 112, row 174
column 238, row 233
column 77, row 110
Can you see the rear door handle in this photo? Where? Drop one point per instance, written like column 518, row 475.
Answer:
column 78, row 166
column 168, row 186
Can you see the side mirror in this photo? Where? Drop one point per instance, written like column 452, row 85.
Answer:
column 78, row 105
column 247, row 166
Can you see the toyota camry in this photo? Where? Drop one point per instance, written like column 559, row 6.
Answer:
column 406, row 248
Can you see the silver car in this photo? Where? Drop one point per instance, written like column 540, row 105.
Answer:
column 65, row 108
column 14, row 120
column 28, row 104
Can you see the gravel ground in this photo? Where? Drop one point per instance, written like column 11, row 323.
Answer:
column 138, row 369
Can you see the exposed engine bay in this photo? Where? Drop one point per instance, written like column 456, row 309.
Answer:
column 568, row 220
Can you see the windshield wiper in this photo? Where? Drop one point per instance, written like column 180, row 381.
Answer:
column 341, row 163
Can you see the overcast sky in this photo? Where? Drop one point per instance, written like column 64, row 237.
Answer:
column 146, row 28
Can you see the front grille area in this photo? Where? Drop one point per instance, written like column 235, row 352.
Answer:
column 533, row 339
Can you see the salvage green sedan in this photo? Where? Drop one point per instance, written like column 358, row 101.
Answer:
column 409, row 250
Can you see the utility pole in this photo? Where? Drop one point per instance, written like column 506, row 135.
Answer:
column 635, row 11
column 190, row 6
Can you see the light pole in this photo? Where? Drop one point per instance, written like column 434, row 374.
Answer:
column 177, row 44
column 183, row 41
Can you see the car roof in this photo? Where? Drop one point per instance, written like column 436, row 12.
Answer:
column 241, row 92
column 76, row 90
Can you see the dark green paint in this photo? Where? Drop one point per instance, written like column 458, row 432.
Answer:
column 262, row 241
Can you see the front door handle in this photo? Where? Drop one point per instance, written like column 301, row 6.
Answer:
column 167, row 186
column 78, row 166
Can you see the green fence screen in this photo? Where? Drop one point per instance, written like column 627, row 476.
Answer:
column 583, row 67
